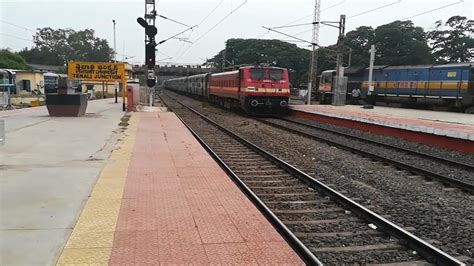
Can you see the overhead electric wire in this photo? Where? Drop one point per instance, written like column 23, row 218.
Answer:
column 177, row 34
column 175, row 21
column 359, row 14
column 299, row 19
column 16, row 37
column 213, row 27
column 164, row 54
column 220, row 21
column 435, row 9
column 199, row 24
column 210, row 13
column 282, row 33
column 15, row 25
column 374, row 9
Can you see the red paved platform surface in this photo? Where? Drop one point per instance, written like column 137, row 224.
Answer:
column 455, row 135
column 179, row 207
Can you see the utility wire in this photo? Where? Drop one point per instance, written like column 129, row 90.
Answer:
column 175, row 21
column 199, row 24
column 299, row 19
column 435, row 9
column 213, row 27
column 16, row 37
column 296, row 38
column 293, row 25
column 359, row 14
column 210, row 13
column 164, row 54
column 220, row 21
column 177, row 34
column 14, row 25
column 374, row 9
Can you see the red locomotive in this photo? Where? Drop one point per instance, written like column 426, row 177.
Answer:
column 256, row 90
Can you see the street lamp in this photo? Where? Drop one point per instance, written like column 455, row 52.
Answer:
column 115, row 61
column 115, row 44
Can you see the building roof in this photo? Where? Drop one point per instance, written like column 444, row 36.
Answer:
column 44, row 68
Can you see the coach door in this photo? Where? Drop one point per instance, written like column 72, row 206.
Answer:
column 470, row 83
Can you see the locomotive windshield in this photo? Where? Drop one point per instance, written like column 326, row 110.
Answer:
column 257, row 73
column 275, row 74
column 266, row 74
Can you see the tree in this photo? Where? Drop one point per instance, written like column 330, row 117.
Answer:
column 401, row 43
column 11, row 60
column 271, row 52
column 451, row 41
column 360, row 40
column 397, row 43
column 58, row 46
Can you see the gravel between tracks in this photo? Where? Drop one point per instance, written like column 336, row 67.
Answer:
column 413, row 160
column 443, row 215
column 443, row 153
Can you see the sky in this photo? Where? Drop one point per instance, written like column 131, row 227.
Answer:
column 216, row 20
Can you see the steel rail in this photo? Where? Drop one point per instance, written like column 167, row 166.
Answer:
column 447, row 180
column 425, row 249
column 417, row 153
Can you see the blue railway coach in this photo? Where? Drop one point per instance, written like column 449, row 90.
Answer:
column 449, row 85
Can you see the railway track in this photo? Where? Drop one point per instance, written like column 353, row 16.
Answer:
column 464, row 173
column 321, row 224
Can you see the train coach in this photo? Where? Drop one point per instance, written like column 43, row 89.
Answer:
column 450, row 85
column 256, row 90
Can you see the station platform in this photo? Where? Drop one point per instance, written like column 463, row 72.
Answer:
column 161, row 199
column 443, row 129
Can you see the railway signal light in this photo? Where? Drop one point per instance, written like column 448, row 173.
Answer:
column 150, row 55
column 150, row 31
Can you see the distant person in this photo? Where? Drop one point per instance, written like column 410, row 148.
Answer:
column 355, row 96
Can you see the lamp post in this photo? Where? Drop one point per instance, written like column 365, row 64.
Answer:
column 115, row 44
column 115, row 61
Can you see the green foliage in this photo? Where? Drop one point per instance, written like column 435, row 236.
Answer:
column 360, row 40
column 452, row 41
column 11, row 60
column 58, row 46
column 397, row 43
column 401, row 43
column 271, row 52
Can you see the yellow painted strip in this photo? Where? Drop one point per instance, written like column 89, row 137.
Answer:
column 92, row 238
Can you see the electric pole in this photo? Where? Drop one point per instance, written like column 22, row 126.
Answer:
column 314, row 40
column 371, row 70
column 339, row 90
column 223, row 59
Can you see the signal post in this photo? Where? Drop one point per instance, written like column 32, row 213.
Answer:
column 150, row 44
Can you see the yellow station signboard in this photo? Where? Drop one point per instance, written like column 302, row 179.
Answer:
column 96, row 71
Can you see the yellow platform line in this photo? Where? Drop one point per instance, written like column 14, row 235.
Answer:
column 90, row 243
